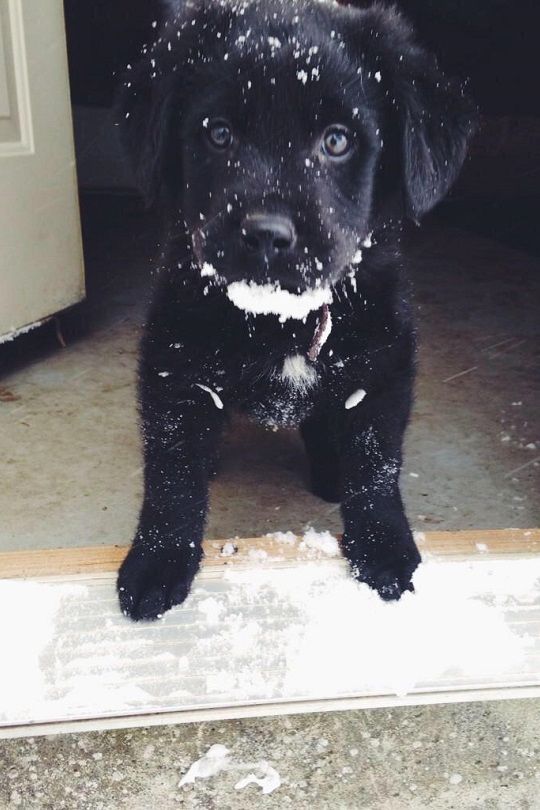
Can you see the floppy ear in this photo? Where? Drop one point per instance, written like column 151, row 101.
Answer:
column 436, row 118
column 438, row 121
column 144, row 109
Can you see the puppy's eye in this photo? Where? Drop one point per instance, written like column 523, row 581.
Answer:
column 337, row 142
column 219, row 134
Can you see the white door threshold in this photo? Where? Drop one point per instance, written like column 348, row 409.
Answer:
column 284, row 633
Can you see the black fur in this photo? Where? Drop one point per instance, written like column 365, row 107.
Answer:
column 280, row 72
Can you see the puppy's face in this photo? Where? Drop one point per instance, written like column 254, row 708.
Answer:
column 281, row 131
column 279, row 167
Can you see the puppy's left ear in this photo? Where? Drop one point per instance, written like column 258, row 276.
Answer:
column 144, row 110
column 437, row 120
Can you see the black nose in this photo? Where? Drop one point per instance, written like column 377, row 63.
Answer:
column 267, row 233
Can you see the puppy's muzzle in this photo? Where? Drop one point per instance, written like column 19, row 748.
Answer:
column 267, row 235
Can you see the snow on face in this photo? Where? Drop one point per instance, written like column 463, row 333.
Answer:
column 368, row 241
column 208, row 269
column 460, row 623
column 271, row 299
column 279, row 153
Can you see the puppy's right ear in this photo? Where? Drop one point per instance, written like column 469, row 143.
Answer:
column 144, row 113
column 436, row 118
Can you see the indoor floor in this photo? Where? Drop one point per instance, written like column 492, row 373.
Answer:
column 70, row 446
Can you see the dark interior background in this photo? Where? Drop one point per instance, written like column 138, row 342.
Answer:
column 492, row 44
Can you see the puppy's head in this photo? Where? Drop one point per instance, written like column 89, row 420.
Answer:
column 281, row 133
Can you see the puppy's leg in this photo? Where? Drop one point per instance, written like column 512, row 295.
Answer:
column 377, row 540
column 322, row 447
column 180, row 435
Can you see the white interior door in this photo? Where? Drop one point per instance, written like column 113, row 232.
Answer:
column 41, row 266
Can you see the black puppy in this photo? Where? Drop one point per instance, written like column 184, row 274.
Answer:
column 286, row 141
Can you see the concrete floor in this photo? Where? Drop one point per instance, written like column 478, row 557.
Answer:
column 69, row 426
column 72, row 477
column 439, row 757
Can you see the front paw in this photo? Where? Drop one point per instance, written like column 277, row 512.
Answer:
column 151, row 581
column 389, row 573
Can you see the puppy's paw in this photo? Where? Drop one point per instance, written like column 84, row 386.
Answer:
column 390, row 576
column 150, row 582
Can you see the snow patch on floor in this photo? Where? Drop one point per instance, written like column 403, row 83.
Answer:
column 268, row 781
column 257, row 554
column 314, row 542
column 28, row 611
column 284, row 538
column 320, row 541
column 264, row 633
column 218, row 758
column 211, row 609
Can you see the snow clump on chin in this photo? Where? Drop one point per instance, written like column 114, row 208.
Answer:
column 271, row 299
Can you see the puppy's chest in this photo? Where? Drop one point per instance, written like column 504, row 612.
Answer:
column 284, row 393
